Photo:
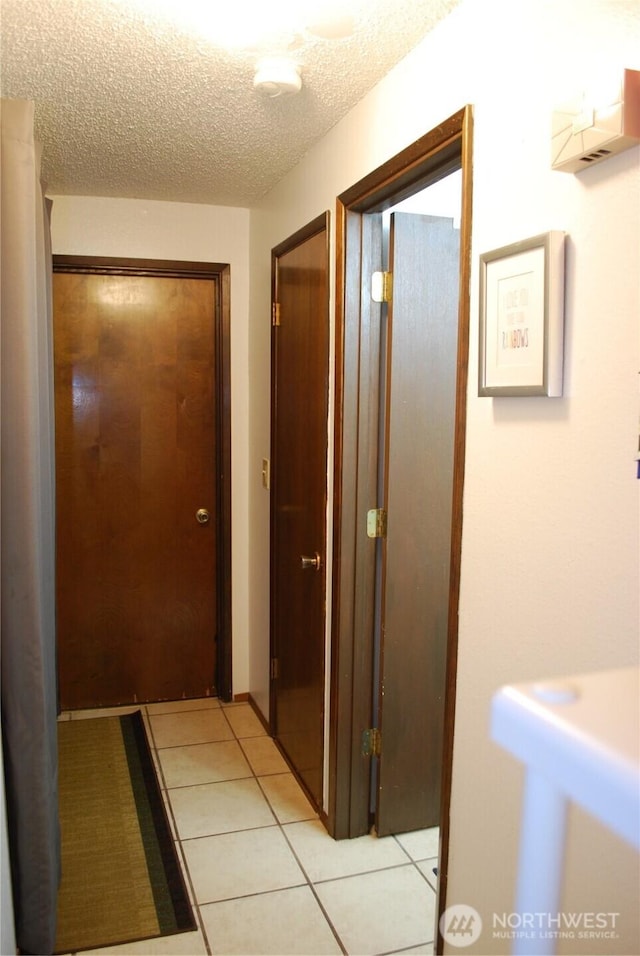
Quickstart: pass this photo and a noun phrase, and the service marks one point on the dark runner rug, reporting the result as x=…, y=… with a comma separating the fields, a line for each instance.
x=121, y=879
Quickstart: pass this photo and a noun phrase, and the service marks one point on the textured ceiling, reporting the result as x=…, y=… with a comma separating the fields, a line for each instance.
x=135, y=101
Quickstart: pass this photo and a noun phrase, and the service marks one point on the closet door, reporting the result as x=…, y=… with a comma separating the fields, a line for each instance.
x=300, y=370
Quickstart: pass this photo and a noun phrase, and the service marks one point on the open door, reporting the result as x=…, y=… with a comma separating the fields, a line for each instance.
x=358, y=668
x=420, y=390
x=300, y=369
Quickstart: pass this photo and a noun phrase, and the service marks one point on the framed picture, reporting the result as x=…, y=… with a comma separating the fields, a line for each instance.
x=522, y=317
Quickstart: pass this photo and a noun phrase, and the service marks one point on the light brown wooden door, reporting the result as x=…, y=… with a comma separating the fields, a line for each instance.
x=300, y=368
x=416, y=553
x=136, y=454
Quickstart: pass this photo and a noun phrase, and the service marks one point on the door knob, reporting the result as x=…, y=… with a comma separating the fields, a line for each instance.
x=307, y=563
x=202, y=516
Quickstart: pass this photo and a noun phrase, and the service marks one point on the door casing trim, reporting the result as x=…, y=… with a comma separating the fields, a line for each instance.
x=101, y=265
x=433, y=156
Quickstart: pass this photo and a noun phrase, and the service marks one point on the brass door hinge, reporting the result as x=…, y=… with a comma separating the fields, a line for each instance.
x=274, y=668
x=382, y=286
x=377, y=523
x=371, y=742
x=275, y=314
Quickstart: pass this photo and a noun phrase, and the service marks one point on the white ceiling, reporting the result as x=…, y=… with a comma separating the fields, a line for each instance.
x=137, y=101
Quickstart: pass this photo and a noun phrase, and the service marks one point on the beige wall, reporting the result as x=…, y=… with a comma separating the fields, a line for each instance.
x=161, y=230
x=550, y=564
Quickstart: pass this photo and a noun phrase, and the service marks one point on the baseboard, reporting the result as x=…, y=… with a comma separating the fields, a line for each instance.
x=322, y=814
x=263, y=720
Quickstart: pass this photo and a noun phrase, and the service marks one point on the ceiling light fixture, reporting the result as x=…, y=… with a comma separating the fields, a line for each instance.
x=277, y=76
x=255, y=25
x=331, y=25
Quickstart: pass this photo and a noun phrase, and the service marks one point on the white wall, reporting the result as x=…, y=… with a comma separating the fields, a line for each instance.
x=550, y=563
x=161, y=230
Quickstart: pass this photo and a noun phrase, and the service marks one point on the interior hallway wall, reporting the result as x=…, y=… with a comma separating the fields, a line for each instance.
x=198, y=233
x=550, y=562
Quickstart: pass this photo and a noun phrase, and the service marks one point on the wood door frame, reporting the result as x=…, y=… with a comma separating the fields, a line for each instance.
x=221, y=272
x=321, y=223
x=446, y=148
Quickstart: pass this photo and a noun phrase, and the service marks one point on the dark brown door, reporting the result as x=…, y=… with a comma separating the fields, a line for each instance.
x=416, y=553
x=300, y=360
x=135, y=357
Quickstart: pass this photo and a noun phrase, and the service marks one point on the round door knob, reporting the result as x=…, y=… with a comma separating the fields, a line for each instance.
x=308, y=562
x=202, y=516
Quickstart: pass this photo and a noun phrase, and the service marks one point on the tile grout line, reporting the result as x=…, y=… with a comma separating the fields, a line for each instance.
x=425, y=878
x=309, y=882
x=181, y=854
x=415, y=862
x=280, y=826
x=209, y=947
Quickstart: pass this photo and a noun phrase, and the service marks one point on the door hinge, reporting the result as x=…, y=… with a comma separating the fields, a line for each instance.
x=382, y=286
x=377, y=523
x=274, y=668
x=275, y=314
x=371, y=742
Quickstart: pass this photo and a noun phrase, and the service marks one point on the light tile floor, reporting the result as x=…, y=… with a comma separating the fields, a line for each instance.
x=263, y=874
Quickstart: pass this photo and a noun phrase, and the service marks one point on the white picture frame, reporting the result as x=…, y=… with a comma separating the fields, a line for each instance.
x=522, y=318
